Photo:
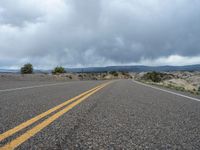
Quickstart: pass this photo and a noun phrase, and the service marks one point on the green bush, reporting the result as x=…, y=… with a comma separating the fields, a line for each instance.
x=154, y=76
x=80, y=76
x=178, y=88
x=58, y=70
x=69, y=76
x=27, y=69
x=114, y=73
x=124, y=73
x=199, y=89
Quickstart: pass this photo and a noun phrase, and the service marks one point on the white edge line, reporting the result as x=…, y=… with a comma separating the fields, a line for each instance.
x=178, y=94
x=30, y=87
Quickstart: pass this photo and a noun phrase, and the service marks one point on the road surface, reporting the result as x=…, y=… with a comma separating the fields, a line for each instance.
x=121, y=114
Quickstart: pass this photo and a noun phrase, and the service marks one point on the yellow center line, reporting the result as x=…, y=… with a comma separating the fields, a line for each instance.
x=28, y=134
x=42, y=115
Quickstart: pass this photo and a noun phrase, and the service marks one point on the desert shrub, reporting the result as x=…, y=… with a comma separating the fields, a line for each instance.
x=114, y=73
x=199, y=89
x=58, y=70
x=80, y=76
x=94, y=78
x=104, y=75
x=123, y=73
x=153, y=76
x=126, y=75
x=179, y=88
x=169, y=85
x=27, y=69
x=69, y=76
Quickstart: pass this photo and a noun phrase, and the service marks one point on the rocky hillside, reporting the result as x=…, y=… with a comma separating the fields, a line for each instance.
x=183, y=81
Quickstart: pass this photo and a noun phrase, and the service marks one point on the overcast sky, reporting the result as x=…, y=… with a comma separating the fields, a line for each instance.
x=76, y=33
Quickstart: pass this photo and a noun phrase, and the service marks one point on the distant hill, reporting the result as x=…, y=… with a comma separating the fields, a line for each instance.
x=9, y=71
x=136, y=68
x=18, y=71
x=120, y=68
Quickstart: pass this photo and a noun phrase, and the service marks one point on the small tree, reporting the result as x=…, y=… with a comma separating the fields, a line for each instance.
x=58, y=70
x=27, y=69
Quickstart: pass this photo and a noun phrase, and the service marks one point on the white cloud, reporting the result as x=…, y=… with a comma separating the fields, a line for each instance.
x=174, y=60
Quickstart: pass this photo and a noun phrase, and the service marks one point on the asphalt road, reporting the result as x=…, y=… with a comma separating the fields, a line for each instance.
x=119, y=115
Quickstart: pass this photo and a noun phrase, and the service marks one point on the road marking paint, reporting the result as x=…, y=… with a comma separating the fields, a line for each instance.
x=42, y=115
x=177, y=94
x=31, y=87
x=24, y=137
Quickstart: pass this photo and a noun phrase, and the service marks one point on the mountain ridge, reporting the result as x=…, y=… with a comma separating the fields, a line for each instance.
x=137, y=68
x=134, y=68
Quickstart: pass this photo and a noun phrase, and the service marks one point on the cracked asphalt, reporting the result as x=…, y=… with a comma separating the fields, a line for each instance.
x=122, y=115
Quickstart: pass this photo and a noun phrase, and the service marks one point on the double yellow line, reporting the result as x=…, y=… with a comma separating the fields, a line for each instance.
x=65, y=107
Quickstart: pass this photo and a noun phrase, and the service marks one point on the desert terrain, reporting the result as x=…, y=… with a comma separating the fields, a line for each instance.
x=178, y=80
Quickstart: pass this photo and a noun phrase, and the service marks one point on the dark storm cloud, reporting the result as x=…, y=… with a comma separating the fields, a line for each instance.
x=75, y=32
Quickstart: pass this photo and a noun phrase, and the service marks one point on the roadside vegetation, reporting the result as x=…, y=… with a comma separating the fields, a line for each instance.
x=114, y=73
x=181, y=81
x=156, y=76
x=58, y=70
x=59, y=73
x=27, y=69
